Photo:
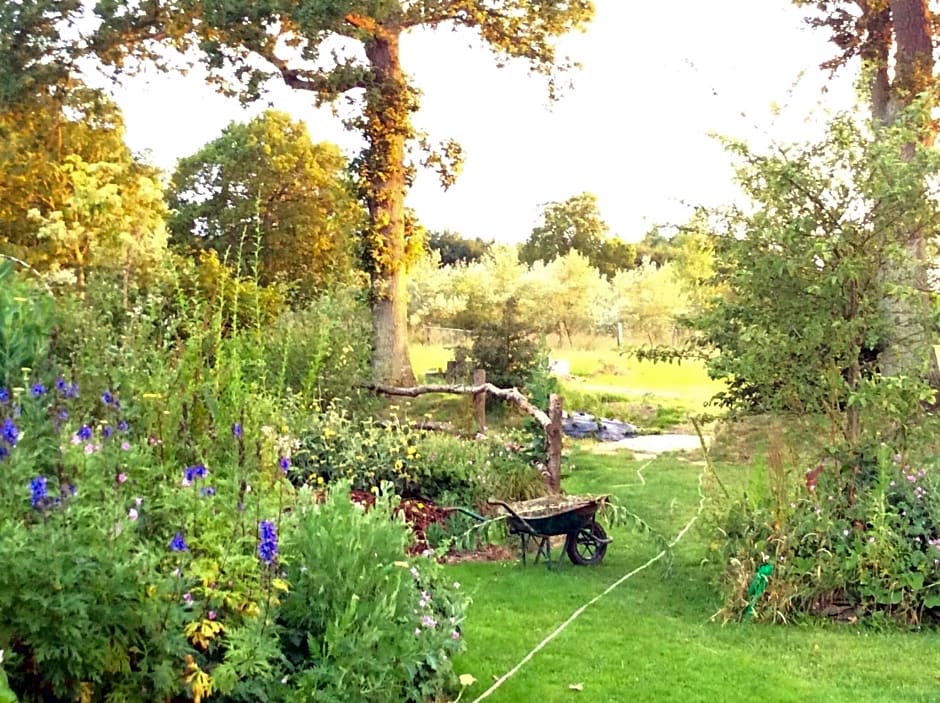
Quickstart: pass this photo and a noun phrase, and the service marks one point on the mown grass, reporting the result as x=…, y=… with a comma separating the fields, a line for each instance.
x=652, y=638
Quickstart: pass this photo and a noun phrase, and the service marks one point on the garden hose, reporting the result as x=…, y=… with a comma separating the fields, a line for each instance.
x=757, y=587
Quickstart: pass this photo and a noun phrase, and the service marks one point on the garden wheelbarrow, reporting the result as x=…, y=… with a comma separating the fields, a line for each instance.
x=573, y=516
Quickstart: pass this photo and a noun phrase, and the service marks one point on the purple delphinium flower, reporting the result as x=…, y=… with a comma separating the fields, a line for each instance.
x=61, y=386
x=267, y=542
x=193, y=472
x=84, y=433
x=123, y=426
x=37, y=390
x=237, y=430
x=284, y=463
x=107, y=431
x=107, y=398
x=207, y=492
x=4, y=452
x=9, y=432
x=37, y=488
x=4, y=396
x=178, y=544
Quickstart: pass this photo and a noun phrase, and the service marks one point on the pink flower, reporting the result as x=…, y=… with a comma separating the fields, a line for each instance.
x=454, y=635
x=212, y=615
x=122, y=477
x=126, y=446
x=89, y=448
x=132, y=514
x=186, y=482
x=188, y=597
x=138, y=502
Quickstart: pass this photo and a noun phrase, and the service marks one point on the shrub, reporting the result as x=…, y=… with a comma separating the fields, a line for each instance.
x=337, y=446
x=506, y=348
x=871, y=549
x=373, y=626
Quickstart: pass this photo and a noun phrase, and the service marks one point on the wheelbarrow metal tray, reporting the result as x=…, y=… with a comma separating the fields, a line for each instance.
x=568, y=518
x=552, y=515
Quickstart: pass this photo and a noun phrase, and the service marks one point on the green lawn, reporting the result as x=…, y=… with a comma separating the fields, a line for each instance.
x=652, y=638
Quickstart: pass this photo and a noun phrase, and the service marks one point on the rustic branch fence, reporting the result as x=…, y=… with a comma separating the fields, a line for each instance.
x=550, y=421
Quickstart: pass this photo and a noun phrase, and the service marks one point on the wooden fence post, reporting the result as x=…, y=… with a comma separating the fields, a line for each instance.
x=553, y=432
x=479, y=400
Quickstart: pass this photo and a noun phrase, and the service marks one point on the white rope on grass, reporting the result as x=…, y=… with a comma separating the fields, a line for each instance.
x=558, y=630
x=639, y=475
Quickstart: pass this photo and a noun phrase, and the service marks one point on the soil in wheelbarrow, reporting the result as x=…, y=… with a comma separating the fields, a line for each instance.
x=549, y=505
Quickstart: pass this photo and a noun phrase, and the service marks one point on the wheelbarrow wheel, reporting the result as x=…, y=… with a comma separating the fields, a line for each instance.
x=587, y=546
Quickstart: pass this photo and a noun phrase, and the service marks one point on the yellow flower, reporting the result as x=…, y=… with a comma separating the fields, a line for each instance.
x=467, y=679
x=201, y=632
x=399, y=464
x=199, y=681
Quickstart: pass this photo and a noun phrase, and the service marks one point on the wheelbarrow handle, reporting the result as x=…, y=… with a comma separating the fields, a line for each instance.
x=508, y=508
x=466, y=511
x=505, y=506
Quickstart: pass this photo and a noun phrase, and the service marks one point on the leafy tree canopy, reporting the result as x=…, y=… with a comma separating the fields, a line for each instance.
x=266, y=190
x=454, y=248
x=576, y=225
x=803, y=314
x=72, y=196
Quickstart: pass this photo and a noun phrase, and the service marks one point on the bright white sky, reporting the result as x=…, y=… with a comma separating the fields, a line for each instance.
x=658, y=77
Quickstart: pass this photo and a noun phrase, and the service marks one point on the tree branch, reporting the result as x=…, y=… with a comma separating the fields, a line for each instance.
x=328, y=84
x=510, y=394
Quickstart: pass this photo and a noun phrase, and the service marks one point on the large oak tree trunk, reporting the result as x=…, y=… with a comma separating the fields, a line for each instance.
x=909, y=349
x=391, y=362
x=387, y=115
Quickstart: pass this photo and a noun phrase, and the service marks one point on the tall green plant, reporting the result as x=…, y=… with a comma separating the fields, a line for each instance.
x=26, y=321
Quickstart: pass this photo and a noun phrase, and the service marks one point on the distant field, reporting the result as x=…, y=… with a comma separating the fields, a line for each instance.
x=605, y=381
